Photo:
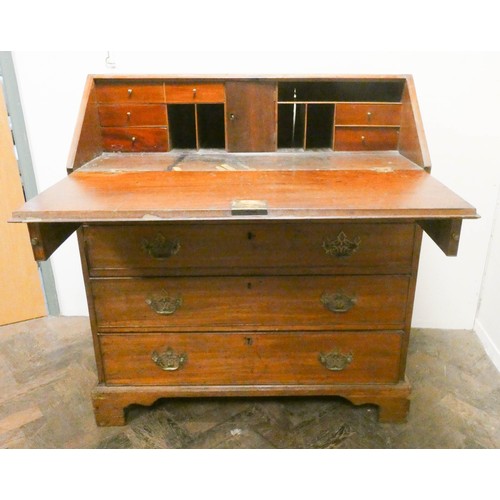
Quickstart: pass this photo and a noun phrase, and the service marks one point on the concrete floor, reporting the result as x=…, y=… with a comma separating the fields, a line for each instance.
x=47, y=371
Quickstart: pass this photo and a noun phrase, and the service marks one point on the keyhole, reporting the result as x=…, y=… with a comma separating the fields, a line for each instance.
x=249, y=285
x=250, y=235
x=248, y=341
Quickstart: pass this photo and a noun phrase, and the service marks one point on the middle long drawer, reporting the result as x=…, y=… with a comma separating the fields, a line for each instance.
x=250, y=303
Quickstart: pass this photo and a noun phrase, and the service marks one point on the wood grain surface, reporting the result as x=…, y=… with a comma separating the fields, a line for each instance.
x=194, y=92
x=253, y=359
x=136, y=139
x=367, y=114
x=366, y=138
x=286, y=248
x=132, y=115
x=250, y=303
x=130, y=90
x=214, y=160
x=153, y=196
x=251, y=116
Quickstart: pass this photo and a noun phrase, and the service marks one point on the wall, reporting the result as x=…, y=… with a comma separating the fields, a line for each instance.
x=487, y=323
x=459, y=102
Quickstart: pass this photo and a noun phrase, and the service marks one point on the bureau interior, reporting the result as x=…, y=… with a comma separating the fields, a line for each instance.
x=167, y=117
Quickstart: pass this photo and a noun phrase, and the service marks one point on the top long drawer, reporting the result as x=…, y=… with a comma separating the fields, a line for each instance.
x=242, y=248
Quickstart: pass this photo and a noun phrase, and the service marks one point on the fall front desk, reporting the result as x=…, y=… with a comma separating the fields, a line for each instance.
x=248, y=236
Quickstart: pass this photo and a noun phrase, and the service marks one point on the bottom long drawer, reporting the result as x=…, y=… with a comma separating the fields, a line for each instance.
x=243, y=358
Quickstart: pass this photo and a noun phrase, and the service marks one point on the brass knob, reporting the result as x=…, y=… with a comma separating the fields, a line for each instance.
x=194, y=92
x=363, y=140
x=232, y=116
x=129, y=114
x=129, y=91
x=133, y=139
x=369, y=115
x=35, y=241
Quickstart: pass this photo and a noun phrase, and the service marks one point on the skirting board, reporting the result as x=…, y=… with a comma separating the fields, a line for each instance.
x=491, y=349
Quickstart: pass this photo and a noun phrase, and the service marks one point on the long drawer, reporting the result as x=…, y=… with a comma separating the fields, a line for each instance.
x=239, y=248
x=236, y=358
x=250, y=303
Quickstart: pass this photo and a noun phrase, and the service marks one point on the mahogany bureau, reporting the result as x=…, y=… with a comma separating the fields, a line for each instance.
x=248, y=235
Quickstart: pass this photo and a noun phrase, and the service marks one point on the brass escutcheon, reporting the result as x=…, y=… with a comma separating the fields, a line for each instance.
x=164, y=303
x=341, y=246
x=335, y=361
x=160, y=247
x=169, y=360
x=338, y=302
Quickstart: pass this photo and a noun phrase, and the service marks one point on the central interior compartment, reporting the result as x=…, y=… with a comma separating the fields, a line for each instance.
x=211, y=132
x=305, y=126
x=182, y=125
x=195, y=126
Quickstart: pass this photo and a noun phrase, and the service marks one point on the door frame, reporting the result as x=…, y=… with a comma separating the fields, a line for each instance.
x=25, y=165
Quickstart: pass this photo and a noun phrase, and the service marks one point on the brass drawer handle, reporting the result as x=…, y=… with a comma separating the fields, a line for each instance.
x=338, y=302
x=169, y=360
x=160, y=247
x=341, y=246
x=163, y=303
x=335, y=360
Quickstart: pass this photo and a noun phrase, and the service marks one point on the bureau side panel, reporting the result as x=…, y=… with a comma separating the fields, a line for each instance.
x=417, y=243
x=90, y=302
x=87, y=141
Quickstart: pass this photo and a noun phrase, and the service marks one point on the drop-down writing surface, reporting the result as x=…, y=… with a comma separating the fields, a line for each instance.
x=132, y=196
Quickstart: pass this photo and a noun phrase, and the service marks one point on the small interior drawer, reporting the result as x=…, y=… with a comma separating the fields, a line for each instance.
x=130, y=139
x=133, y=115
x=366, y=138
x=367, y=114
x=194, y=92
x=130, y=92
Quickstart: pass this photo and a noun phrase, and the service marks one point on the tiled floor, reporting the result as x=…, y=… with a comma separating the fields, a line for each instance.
x=47, y=371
